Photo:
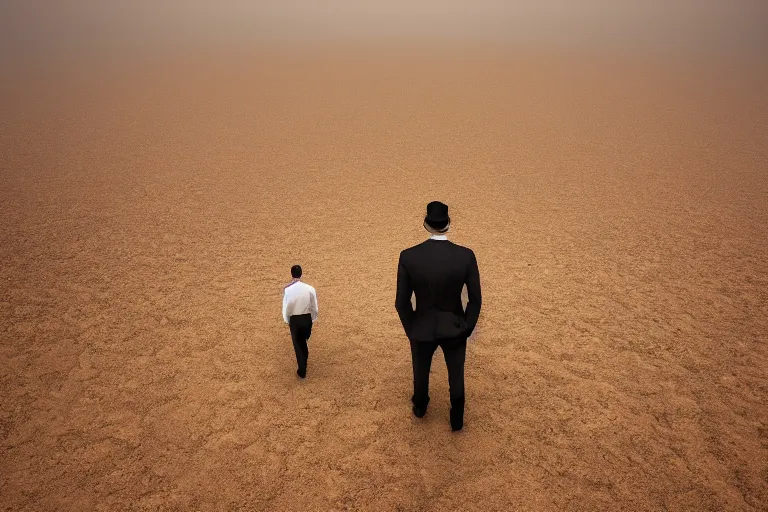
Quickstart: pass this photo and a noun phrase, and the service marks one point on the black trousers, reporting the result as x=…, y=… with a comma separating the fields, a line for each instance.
x=454, y=351
x=301, y=330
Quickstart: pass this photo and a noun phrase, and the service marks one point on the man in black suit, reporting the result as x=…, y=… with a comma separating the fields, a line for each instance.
x=436, y=271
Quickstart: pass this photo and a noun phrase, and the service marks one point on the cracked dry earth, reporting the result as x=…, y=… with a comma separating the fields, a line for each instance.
x=150, y=211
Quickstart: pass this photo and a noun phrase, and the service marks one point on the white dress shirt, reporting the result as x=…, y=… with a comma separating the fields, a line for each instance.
x=438, y=237
x=299, y=299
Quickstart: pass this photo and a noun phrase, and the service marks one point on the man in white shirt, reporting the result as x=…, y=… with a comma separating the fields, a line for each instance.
x=299, y=312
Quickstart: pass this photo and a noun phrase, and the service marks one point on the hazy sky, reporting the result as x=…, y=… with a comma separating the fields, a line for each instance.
x=740, y=25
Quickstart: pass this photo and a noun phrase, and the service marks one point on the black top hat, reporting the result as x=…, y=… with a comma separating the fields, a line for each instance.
x=437, y=218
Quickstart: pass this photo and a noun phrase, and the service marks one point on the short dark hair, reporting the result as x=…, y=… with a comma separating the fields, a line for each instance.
x=296, y=271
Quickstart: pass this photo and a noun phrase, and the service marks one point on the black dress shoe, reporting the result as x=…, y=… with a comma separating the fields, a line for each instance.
x=457, y=414
x=457, y=419
x=301, y=373
x=419, y=412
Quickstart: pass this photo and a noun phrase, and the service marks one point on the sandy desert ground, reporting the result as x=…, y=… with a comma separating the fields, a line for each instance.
x=150, y=212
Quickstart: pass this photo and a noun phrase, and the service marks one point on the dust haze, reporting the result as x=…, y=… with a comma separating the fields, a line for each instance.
x=735, y=27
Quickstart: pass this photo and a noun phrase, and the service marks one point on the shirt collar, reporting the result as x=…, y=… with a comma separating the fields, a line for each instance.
x=438, y=237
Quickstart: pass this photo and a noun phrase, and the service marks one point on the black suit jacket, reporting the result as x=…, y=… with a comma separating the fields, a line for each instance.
x=436, y=270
